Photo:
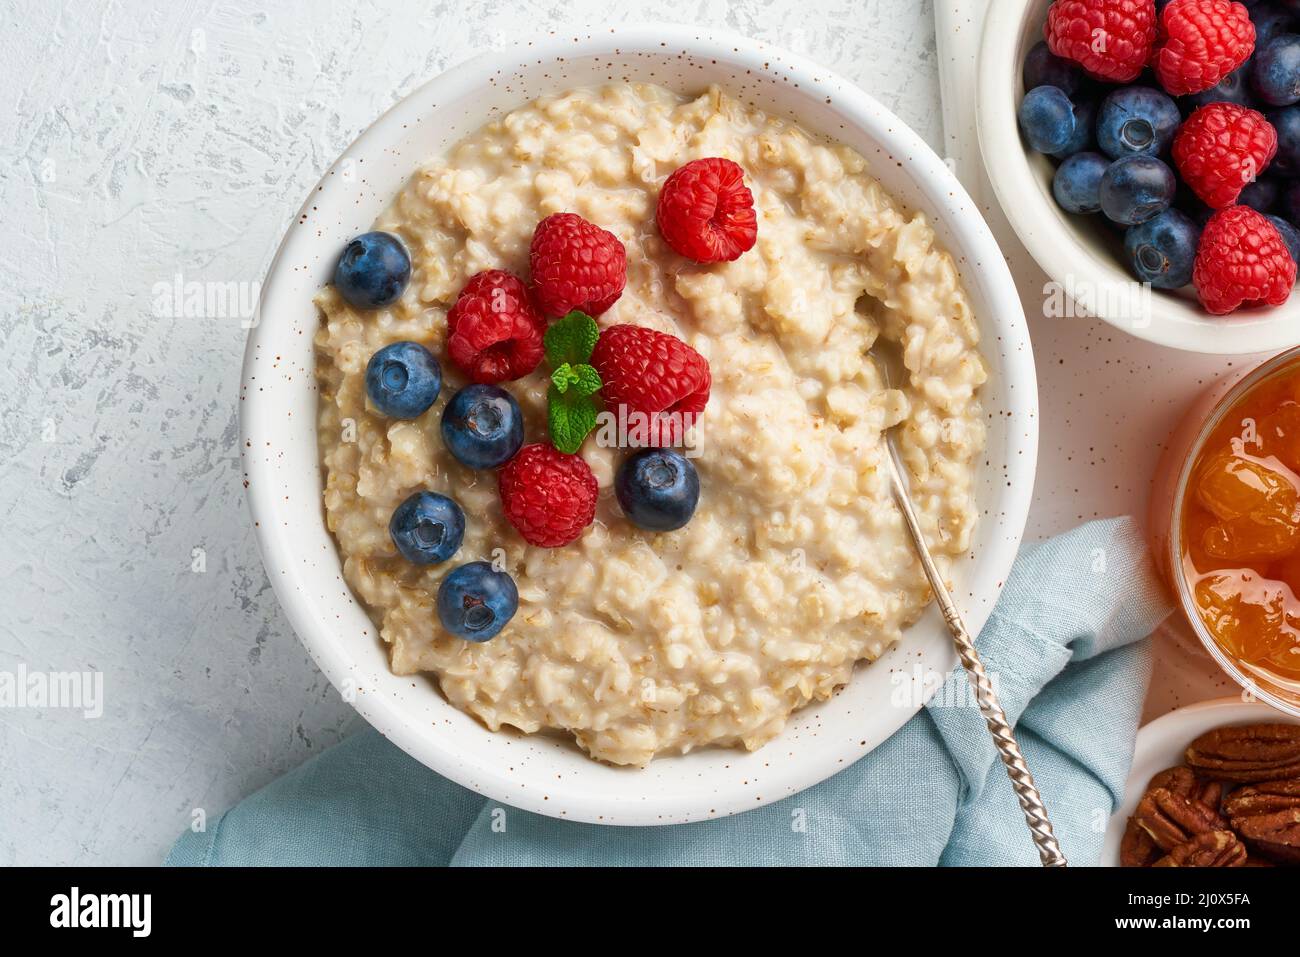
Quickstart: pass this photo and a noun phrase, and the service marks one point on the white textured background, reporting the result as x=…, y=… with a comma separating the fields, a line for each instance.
x=140, y=140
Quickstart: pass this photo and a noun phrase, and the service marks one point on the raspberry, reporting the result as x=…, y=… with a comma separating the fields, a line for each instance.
x=576, y=265
x=706, y=212
x=494, y=332
x=1110, y=39
x=1201, y=42
x=1221, y=148
x=1241, y=260
x=549, y=497
x=652, y=373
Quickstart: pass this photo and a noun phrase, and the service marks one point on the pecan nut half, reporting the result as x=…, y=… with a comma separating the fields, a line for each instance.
x=1183, y=781
x=1171, y=819
x=1256, y=752
x=1137, y=849
x=1264, y=798
x=1267, y=815
x=1211, y=849
x=1276, y=836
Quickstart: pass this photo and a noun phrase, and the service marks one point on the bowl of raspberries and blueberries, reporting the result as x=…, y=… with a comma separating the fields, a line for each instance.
x=1177, y=124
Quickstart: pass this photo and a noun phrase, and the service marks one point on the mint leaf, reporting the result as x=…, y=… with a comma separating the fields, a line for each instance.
x=586, y=380
x=563, y=377
x=570, y=411
x=571, y=339
x=570, y=417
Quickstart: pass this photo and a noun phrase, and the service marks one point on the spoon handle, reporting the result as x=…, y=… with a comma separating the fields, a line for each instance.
x=1003, y=737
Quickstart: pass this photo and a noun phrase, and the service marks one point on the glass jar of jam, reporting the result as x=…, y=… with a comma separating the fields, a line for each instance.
x=1226, y=527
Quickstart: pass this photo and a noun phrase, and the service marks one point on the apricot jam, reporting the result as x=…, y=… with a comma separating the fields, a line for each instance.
x=1240, y=529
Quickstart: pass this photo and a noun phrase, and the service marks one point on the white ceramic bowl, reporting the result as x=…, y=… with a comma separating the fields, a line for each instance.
x=1161, y=744
x=542, y=773
x=1082, y=253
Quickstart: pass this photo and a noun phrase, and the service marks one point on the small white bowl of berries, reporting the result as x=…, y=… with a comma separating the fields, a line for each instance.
x=1160, y=144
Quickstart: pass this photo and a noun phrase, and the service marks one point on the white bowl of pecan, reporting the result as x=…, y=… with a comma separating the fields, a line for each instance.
x=1212, y=785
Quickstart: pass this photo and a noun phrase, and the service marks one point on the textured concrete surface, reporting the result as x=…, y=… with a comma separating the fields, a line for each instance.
x=145, y=144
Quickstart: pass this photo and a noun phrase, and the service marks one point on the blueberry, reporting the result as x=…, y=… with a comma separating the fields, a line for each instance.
x=1269, y=22
x=1233, y=88
x=1289, y=205
x=1191, y=205
x=1085, y=121
x=1047, y=118
x=1044, y=68
x=1136, y=119
x=403, y=379
x=1287, y=123
x=1136, y=188
x=1077, y=183
x=482, y=426
x=373, y=270
x=1161, y=251
x=1290, y=236
x=475, y=601
x=1275, y=72
x=658, y=489
x=427, y=528
x=1260, y=195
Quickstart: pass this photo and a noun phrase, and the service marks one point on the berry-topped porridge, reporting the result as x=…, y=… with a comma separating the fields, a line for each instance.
x=601, y=429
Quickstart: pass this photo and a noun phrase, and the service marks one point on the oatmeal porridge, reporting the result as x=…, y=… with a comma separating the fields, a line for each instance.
x=795, y=565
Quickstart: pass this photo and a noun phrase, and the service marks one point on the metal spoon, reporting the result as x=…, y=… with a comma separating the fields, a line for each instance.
x=1021, y=780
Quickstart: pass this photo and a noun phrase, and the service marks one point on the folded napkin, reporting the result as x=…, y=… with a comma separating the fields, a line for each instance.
x=1064, y=641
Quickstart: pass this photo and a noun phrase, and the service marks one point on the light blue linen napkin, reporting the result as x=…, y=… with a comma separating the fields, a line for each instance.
x=1064, y=641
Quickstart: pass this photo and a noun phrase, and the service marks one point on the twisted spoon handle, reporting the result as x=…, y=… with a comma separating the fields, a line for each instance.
x=1021, y=780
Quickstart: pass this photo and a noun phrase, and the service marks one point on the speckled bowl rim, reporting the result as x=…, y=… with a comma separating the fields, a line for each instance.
x=542, y=773
x=1071, y=251
x=1161, y=743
